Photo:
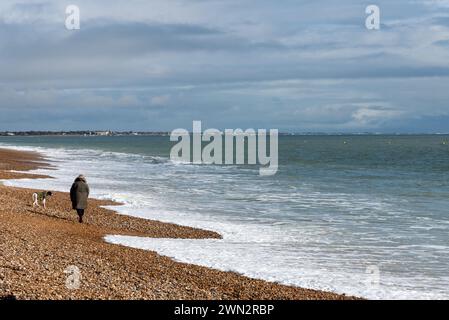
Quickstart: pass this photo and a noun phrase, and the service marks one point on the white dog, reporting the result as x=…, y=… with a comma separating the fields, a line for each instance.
x=42, y=197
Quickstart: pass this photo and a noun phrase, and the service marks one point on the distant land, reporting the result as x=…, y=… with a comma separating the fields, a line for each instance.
x=106, y=133
x=81, y=133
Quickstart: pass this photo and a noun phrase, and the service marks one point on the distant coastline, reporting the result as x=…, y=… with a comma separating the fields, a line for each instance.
x=96, y=133
x=106, y=133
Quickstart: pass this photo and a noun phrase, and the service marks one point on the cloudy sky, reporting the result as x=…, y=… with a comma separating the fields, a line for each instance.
x=295, y=65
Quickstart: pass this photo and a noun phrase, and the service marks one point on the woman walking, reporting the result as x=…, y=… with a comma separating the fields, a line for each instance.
x=79, y=194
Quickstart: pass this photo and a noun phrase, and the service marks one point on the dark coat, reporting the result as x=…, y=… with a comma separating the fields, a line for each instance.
x=79, y=194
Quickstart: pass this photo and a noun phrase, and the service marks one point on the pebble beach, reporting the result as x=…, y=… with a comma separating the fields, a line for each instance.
x=38, y=246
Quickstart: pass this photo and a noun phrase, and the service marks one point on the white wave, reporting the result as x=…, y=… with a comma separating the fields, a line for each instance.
x=299, y=236
x=258, y=261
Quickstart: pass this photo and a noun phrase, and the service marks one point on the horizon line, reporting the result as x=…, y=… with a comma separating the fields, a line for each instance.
x=164, y=132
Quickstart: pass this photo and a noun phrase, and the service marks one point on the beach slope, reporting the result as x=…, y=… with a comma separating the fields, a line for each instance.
x=42, y=250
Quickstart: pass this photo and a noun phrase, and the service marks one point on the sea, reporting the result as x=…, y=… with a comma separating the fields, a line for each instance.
x=364, y=215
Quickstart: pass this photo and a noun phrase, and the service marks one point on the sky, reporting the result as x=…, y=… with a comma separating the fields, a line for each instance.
x=292, y=65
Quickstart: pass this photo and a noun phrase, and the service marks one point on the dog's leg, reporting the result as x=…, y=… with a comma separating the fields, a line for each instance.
x=35, y=202
x=44, y=203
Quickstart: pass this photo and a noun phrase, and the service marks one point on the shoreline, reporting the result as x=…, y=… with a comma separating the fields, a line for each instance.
x=37, y=247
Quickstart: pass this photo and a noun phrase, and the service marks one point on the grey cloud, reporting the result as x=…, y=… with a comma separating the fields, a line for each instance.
x=299, y=65
x=442, y=43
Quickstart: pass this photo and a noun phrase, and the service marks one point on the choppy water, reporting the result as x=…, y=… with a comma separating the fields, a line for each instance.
x=339, y=207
